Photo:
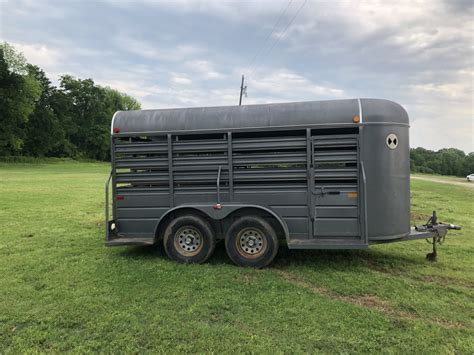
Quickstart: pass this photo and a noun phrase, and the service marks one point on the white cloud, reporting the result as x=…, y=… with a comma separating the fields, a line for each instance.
x=286, y=84
x=156, y=51
x=40, y=55
x=204, y=69
x=180, y=79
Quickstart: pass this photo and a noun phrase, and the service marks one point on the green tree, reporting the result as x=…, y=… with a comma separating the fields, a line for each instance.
x=118, y=101
x=44, y=132
x=448, y=161
x=87, y=113
x=19, y=92
x=468, y=166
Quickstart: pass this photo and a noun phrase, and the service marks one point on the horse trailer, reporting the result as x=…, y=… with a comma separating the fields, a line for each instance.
x=315, y=175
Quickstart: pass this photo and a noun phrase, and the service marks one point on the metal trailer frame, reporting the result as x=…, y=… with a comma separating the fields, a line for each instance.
x=325, y=174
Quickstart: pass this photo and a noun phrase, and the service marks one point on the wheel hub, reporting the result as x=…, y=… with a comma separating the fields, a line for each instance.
x=188, y=240
x=251, y=242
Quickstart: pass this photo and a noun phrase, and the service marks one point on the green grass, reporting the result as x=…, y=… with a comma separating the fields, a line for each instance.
x=61, y=289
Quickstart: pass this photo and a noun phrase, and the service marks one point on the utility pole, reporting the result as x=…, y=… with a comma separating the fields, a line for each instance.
x=243, y=90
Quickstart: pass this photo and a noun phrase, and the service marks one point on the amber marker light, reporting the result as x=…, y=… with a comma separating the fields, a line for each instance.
x=356, y=119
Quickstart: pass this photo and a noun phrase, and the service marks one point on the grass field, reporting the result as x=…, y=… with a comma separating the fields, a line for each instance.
x=61, y=289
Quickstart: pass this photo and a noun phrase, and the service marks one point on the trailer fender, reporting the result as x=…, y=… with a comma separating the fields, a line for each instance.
x=218, y=212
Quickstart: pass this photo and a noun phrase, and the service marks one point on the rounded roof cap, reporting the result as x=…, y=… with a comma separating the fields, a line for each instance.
x=255, y=116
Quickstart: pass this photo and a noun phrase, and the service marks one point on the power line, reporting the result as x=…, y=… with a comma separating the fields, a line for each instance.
x=282, y=13
x=282, y=34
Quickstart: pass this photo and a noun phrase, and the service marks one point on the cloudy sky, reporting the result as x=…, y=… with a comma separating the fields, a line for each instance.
x=192, y=53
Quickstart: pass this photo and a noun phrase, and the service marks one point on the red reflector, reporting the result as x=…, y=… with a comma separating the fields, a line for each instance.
x=119, y=197
x=116, y=130
x=217, y=206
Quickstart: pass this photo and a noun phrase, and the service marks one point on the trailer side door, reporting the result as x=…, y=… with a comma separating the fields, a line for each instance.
x=335, y=192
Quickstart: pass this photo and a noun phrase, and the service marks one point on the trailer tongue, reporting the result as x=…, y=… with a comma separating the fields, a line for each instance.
x=432, y=231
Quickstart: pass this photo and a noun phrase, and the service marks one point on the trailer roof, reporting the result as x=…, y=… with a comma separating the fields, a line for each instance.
x=255, y=116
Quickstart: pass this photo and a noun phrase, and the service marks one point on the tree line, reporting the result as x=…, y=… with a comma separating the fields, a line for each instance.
x=448, y=161
x=40, y=120
x=73, y=120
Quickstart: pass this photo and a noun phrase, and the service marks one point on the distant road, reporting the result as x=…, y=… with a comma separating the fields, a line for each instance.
x=443, y=181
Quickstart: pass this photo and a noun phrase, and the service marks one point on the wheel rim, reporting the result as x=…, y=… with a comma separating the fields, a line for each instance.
x=251, y=243
x=188, y=241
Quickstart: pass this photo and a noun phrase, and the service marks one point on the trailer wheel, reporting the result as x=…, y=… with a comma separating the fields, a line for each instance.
x=251, y=241
x=189, y=239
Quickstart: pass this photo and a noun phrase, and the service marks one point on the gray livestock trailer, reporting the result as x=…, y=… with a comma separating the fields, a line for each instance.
x=318, y=175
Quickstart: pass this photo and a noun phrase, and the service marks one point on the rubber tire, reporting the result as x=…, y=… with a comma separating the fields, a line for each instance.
x=269, y=233
x=208, y=237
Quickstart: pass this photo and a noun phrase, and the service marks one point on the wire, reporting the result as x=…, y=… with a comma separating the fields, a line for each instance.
x=282, y=34
x=282, y=13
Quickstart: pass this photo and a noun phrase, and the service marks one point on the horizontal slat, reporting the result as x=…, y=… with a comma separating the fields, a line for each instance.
x=161, y=142
x=335, y=156
x=266, y=144
x=141, y=177
x=269, y=174
x=334, y=136
x=269, y=158
x=137, y=189
x=149, y=148
x=336, y=140
x=191, y=169
x=335, y=173
x=184, y=142
x=336, y=186
x=212, y=188
x=141, y=163
x=269, y=139
x=199, y=147
x=200, y=160
x=269, y=186
x=185, y=177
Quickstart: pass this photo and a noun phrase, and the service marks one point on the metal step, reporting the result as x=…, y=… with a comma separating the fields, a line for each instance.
x=129, y=241
x=327, y=243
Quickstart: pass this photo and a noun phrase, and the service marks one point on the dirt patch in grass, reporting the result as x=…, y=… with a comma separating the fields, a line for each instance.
x=400, y=271
x=444, y=180
x=246, y=279
x=367, y=301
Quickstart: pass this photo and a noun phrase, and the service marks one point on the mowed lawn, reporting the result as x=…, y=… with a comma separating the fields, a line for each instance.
x=61, y=289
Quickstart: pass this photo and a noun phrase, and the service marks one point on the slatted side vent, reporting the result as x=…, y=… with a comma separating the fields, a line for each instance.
x=269, y=161
x=196, y=161
x=335, y=160
x=141, y=164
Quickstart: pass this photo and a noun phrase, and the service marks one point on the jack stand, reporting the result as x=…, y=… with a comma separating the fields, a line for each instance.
x=433, y=232
x=433, y=255
x=437, y=238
